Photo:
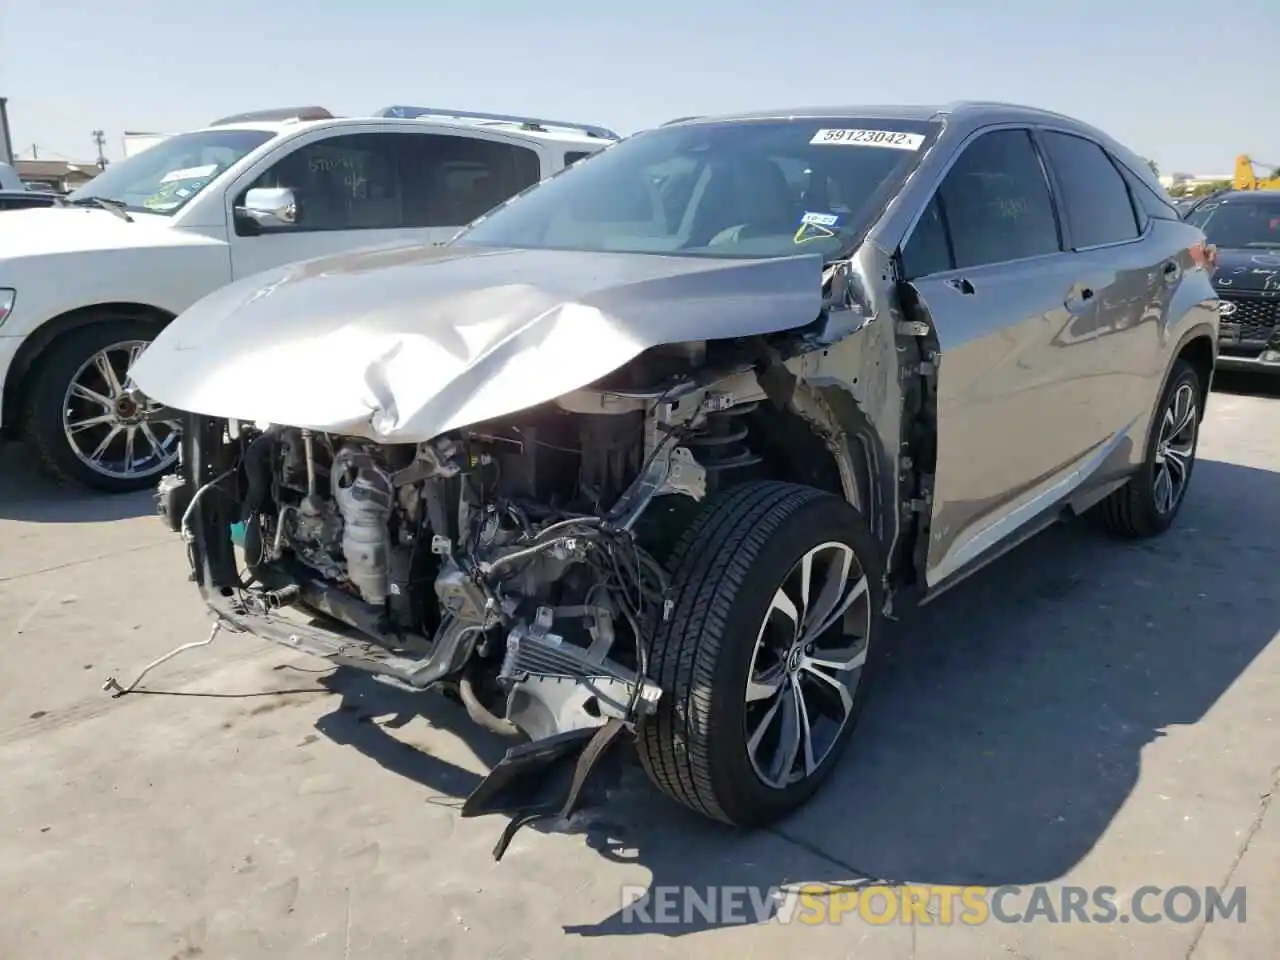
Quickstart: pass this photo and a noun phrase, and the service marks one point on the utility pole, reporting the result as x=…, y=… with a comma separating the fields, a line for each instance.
x=35, y=151
x=6, y=142
x=99, y=140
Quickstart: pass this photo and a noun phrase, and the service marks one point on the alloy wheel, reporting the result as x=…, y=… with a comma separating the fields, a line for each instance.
x=1175, y=449
x=807, y=663
x=107, y=427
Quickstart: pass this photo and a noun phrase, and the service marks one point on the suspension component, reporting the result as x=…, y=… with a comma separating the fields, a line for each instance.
x=719, y=444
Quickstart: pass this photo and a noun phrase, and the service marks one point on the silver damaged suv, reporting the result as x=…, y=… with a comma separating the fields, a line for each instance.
x=652, y=449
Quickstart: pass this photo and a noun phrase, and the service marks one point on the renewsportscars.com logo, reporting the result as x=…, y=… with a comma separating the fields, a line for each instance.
x=879, y=904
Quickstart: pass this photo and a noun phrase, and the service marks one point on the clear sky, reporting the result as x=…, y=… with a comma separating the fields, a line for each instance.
x=1187, y=82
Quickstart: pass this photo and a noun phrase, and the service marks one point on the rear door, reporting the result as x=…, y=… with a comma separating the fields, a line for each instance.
x=1124, y=271
x=450, y=179
x=987, y=262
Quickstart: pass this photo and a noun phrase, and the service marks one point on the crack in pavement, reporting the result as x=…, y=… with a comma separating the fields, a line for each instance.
x=76, y=563
x=1254, y=828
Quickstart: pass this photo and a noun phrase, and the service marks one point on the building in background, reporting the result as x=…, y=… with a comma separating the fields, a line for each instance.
x=134, y=142
x=60, y=176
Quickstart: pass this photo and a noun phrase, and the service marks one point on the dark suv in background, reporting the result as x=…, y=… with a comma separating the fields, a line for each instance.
x=1245, y=227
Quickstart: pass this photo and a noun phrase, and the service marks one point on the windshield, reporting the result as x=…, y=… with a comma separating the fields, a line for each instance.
x=1239, y=223
x=164, y=178
x=743, y=189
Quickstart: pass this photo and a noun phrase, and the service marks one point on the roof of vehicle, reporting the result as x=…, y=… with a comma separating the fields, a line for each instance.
x=970, y=110
x=287, y=119
x=963, y=116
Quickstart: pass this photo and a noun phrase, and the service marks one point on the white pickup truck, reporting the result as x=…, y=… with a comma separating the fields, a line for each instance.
x=86, y=286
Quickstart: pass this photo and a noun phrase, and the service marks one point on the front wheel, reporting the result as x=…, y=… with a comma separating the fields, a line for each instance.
x=766, y=656
x=1147, y=505
x=81, y=422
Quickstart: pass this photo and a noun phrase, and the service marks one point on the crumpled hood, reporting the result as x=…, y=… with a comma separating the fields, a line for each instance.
x=41, y=231
x=1247, y=271
x=402, y=344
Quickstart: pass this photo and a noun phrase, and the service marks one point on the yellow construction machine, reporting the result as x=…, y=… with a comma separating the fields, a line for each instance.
x=1247, y=179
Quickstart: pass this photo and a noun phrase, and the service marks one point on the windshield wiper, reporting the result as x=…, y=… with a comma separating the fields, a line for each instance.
x=104, y=203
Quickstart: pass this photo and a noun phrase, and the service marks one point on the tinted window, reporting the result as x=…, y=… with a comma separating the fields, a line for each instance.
x=929, y=249
x=342, y=183
x=573, y=156
x=1153, y=204
x=452, y=180
x=761, y=189
x=993, y=204
x=1094, y=195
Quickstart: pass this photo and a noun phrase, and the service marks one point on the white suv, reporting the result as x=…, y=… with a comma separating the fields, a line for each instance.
x=85, y=287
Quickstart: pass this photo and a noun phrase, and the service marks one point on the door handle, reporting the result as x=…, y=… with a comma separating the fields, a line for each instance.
x=963, y=285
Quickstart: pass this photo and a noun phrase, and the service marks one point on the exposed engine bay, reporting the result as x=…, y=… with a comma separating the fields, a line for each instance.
x=509, y=551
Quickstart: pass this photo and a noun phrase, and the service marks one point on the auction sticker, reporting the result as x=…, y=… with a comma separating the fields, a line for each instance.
x=819, y=220
x=869, y=138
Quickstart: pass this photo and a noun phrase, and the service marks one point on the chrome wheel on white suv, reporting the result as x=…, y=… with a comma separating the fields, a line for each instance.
x=107, y=427
x=82, y=421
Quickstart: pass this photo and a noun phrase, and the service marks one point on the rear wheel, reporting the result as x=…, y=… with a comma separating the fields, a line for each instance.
x=1147, y=505
x=766, y=657
x=80, y=421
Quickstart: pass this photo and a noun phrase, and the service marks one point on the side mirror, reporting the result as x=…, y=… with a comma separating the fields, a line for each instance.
x=270, y=207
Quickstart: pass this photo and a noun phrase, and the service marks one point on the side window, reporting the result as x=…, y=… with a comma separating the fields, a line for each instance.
x=349, y=182
x=929, y=249
x=573, y=156
x=1095, y=197
x=451, y=180
x=993, y=206
x=1149, y=202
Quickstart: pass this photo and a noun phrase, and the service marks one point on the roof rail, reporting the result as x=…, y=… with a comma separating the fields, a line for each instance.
x=529, y=123
x=279, y=113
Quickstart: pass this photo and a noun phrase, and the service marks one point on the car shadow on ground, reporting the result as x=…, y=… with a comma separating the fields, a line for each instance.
x=28, y=495
x=1005, y=733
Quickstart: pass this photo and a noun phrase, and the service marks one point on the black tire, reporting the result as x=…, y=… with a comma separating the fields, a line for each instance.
x=731, y=560
x=1134, y=510
x=48, y=382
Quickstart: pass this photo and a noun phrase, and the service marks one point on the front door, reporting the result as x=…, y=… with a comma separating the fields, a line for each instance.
x=1013, y=421
x=375, y=188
